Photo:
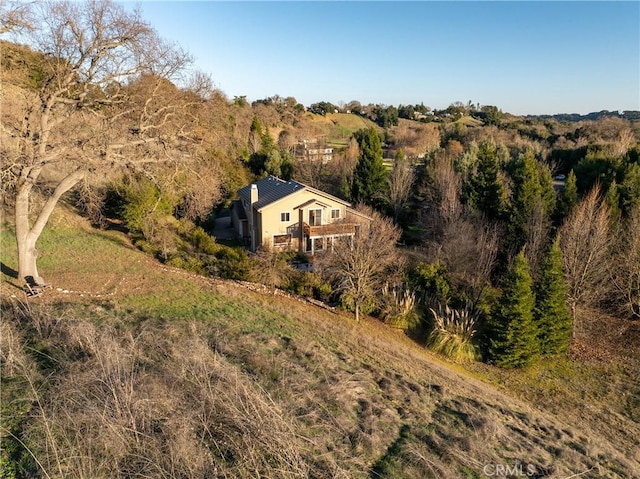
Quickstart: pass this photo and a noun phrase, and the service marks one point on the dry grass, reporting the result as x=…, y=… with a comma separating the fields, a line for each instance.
x=175, y=375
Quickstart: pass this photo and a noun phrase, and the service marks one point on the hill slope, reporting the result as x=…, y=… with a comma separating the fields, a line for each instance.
x=132, y=368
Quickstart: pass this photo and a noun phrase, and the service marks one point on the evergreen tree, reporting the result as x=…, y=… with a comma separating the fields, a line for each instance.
x=612, y=199
x=547, y=191
x=513, y=332
x=568, y=199
x=486, y=191
x=370, y=175
x=526, y=193
x=551, y=312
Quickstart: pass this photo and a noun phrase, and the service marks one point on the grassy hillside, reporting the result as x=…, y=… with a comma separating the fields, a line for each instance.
x=337, y=128
x=128, y=368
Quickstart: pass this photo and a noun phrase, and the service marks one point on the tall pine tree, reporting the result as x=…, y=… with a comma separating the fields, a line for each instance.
x=370, y=175
x=526, y=195
x=485, y=190
x=513, y=332
x=568, y=199
x=551, y=312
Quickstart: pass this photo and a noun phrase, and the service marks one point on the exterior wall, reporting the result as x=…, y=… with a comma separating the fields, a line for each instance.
x=270, y=215
x=240, y=226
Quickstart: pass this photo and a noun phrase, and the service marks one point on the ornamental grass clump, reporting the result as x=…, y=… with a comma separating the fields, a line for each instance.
x=453, y=333
x=399, y=309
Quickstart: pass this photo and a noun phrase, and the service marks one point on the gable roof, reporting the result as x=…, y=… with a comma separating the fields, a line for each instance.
x=272, y=189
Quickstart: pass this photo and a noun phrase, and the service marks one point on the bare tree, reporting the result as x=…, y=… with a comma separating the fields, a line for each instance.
x=416, y=139
x=104, y=101
x=442, y=194
x=270, y=268
x=624, y=267
x=400, y=181
x=358, y=267
x=15, y=17
x=623, y=142
x=469, y=248
x=585, y=239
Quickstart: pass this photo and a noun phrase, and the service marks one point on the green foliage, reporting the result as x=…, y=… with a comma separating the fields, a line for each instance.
x=146, y=247
x=513, y=332
x=234, y=263
x=597, y=167
x=322, y=108
x=612, y=199
x=370, y=175
x=366, y=306
x=551, y=313
x=568, y=198
x=269, y=160
x=532, y=200
x=490, y=114
x=432, y=279
x=453, y=333
x=143, y=204
x=629, y=188
x=385, y=116
x=485, y=190
x=202, y=242
x=307, y=284
x=256, y=127
x=187, y=262
x=526, y=195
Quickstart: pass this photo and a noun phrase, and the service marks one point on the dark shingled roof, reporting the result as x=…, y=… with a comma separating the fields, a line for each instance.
x=270, y=189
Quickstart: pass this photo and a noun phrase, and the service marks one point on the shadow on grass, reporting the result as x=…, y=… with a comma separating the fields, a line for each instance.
x=9, y=271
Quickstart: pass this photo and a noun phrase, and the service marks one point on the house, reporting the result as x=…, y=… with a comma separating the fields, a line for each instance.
x=277, y=214
x=310, y=150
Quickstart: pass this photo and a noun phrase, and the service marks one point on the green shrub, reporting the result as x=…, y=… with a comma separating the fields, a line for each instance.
x=185, y=261
x=432, y=279
x=146, y=247
x=234, y=263
x=142, y=203
x=202, y=242
x=322, y=292
x=307, y=284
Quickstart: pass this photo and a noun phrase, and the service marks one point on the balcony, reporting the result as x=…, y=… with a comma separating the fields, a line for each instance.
x=332, y=229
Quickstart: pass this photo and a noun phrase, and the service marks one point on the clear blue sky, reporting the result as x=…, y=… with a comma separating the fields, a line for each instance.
x=524, y=57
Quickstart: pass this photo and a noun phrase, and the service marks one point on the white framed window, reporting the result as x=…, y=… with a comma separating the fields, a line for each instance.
x=285, y=217
x=315, y=217
x=335, y=214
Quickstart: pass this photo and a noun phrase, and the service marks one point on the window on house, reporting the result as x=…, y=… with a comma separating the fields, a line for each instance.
x=281, y=239
x=335, y=214
x=315, y=217
x=285, y=216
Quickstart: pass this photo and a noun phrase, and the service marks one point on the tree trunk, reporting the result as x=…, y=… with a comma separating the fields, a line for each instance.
x=26, y=235
x=357, y=307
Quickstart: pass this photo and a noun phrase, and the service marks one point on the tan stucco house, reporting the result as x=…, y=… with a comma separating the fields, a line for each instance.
x=277, y=214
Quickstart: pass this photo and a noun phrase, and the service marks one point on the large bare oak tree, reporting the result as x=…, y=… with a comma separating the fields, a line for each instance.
x=102, y=98
x=359, y=267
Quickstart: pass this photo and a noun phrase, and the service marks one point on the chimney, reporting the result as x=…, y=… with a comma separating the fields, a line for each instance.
x=252, y=216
